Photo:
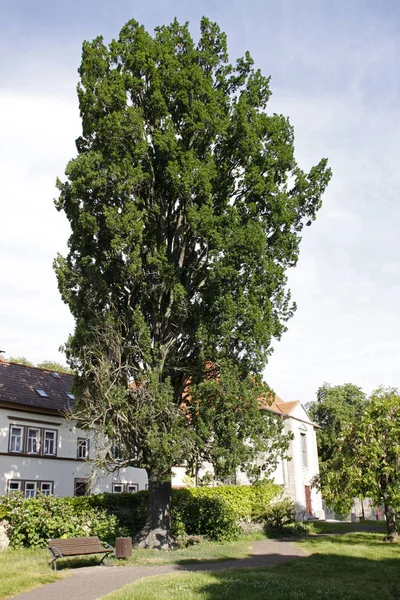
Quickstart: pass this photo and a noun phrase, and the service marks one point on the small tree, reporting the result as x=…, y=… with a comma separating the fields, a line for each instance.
x=333, y=410
x=186, y=207
x=368, y=459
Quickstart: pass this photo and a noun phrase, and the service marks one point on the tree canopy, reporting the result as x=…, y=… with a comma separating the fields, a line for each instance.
x=367, y=461
x=50, y=365
x=187, y=208
x=334, y=408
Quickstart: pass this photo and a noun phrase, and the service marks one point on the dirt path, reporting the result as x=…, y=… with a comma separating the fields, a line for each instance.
x=91, y=583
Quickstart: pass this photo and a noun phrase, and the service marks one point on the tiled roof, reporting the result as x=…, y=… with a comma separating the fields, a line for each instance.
x=19, y=382
x=277, y=405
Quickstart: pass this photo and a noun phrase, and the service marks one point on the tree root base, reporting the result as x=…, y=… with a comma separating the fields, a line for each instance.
x=156, y=539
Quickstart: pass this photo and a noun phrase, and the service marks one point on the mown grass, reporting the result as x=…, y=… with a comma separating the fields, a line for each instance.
x=21, y=570
x=203, y=552
x=346, y=527
x=355, y=566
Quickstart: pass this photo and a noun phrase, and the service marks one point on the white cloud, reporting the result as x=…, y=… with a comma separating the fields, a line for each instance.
x=346, y=284
x=38, y=132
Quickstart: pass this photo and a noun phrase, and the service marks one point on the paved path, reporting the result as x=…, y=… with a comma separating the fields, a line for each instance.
x=91, y=583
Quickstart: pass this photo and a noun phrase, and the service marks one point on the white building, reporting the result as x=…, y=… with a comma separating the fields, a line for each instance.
x=41, y=451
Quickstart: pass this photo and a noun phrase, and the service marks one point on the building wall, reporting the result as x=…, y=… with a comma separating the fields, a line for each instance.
x=62, y=469
x=298, y=475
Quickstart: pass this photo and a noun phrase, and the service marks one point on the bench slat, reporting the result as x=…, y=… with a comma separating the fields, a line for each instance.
x=77, y=546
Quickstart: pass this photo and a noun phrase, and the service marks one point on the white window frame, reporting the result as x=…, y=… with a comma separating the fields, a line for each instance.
x=48, y=492
x=120, y=485
x=14, y=481
x=135, y=487
x=34, y=483
x=82, y=448
x=304, y=453
x=54, y=442
x=30, y=441
x=20, y=437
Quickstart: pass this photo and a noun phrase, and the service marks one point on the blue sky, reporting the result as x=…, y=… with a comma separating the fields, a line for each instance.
x=334, y=72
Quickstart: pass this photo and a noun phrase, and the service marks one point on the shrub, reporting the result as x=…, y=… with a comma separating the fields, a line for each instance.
x=202, y=514
x=244, y=500
x=278, y=514
x=211, y=512
x=34, y=521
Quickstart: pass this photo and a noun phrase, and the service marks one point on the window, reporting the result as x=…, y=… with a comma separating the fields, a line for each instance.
x=16, y=439
x=30, y=489
x=14, y=486
x=33, y=441
x=56, y=375
x=117, y=488
x=82, y=448
x=70, y=395
x=132, y=488
x=46, y=488
x=49, y=446
x=303, y=441
x=41, y=392
x=116, y=452
x=81, y=487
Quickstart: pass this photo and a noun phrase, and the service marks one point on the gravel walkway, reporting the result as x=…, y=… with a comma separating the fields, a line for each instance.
x=91, y=583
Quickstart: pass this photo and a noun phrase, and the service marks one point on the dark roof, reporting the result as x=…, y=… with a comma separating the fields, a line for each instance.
x=19, y=382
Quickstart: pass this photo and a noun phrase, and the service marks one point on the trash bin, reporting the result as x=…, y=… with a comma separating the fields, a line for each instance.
x=123, y=547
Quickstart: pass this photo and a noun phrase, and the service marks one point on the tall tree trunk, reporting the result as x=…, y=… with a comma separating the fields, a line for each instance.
x=391, y=523
x=156, y=532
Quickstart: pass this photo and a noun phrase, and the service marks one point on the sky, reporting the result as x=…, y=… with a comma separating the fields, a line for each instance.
x=334, y=73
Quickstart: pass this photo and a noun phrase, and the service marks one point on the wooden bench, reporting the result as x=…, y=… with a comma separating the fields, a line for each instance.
x=64, y=547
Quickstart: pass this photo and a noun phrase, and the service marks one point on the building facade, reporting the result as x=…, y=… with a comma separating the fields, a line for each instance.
x=41, y=451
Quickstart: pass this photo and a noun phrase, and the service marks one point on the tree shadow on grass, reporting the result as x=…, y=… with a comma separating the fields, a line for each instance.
x=78, y=562
x=326, y=576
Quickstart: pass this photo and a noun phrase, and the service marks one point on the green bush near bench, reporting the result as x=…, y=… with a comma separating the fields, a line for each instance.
x=212, y=512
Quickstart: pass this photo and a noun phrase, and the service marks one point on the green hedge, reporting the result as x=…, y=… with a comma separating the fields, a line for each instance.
x=34, y=521
x=213, y=512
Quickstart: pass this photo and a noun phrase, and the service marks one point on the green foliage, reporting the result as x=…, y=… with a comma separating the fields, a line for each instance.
x=34, y=521
x=333, y=410
x=20, y=360
x=52, y=365
x=368, y=458
x=186, y=207
x=130, y=509
x=215, y=512
x=211, y=512
x=243, y=499
x=278, y=514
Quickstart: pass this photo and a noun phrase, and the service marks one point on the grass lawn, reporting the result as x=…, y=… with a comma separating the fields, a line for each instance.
x=346, y=527
x=355, y=566
x=204, y=552
x=21, y=570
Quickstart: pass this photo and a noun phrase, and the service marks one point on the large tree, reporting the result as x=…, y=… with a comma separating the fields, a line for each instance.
x=368, y=459
x=186, y=207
